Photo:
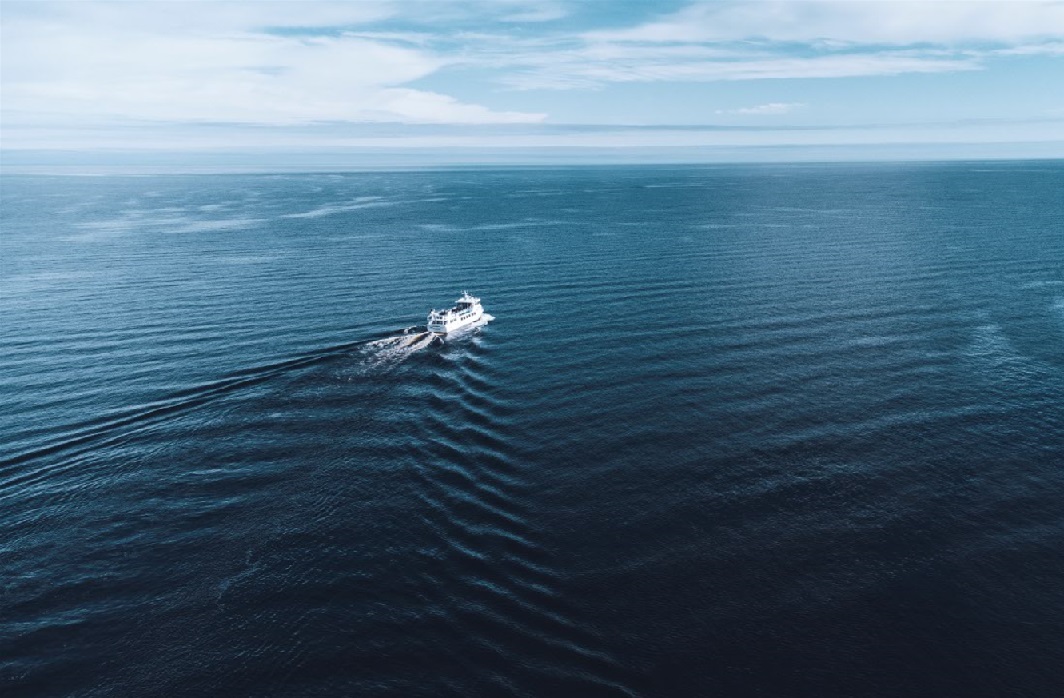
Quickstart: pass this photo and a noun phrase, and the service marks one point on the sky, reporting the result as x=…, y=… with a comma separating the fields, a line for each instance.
x=410, y=81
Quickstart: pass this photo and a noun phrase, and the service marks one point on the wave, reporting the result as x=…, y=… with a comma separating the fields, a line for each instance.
x=101, y=430
x=383, y=353
x=504, y=594
x=332, y=209
x=377, y=355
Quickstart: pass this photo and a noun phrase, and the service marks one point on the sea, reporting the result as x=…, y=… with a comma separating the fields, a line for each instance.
x=734, y=430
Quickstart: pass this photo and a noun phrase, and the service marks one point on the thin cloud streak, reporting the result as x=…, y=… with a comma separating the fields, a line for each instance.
x=571, y=73
x=770, y=109
x=904, y=22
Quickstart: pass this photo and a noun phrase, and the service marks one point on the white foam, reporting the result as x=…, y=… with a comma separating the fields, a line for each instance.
x=331, y=209
x=389, y=352
x=383, y=354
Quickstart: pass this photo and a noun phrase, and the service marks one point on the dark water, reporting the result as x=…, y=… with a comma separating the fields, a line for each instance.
x=735, y=431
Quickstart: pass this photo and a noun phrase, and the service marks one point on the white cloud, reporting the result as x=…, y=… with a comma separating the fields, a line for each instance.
x=770, y=109
x=709, y=41
x=214, y=63
x=898, y=22
x=581, y=70
x=1049, y=48
x=419, y=106
x=111, y=64
x=182, y=17
x=536, y=12
x=729, y=41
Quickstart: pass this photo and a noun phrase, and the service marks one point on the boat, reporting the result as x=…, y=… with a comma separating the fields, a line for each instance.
x=466, y=311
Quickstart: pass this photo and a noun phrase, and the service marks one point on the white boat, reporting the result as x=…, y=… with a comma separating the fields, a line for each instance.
x=466, y=311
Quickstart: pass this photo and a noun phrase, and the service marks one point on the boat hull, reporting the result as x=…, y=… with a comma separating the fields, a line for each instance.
x=455, y=325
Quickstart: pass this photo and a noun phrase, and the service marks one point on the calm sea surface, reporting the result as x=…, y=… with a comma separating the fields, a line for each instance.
x=735, y=431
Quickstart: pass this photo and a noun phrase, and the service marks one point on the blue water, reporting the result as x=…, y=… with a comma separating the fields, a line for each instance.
x=738, y=431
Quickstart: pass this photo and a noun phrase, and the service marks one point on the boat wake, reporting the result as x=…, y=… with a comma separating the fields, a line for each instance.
x=389, y=352
x=379, y=355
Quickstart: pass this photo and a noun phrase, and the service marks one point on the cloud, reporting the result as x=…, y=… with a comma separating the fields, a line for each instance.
x=902, y=22
x=1049, y=48
x=729, y=41
x=713, y=41
x=183, y=17
x=222, y=62
x=419, y=106
x=538, y=12
x=582, y=70
x=173, y=70
x=770, y=109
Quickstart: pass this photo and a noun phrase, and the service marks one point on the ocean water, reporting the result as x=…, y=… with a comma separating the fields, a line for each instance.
x=734, y=431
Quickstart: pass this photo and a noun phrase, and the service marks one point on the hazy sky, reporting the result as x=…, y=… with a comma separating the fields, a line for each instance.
x=503, y=74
